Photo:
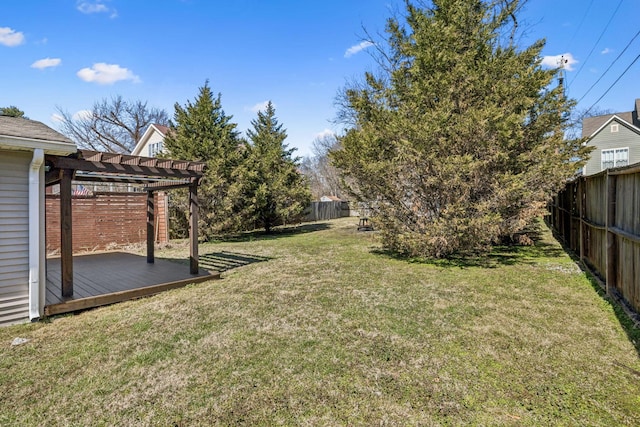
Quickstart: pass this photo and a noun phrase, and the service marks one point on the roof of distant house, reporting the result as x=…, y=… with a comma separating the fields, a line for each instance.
x=163, y=129
x=592, y=124
x=153, y=127
x=20, y=127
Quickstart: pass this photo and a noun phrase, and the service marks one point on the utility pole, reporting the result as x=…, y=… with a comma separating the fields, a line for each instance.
x=561, y=63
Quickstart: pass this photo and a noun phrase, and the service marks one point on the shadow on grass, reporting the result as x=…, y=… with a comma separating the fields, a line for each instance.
x=628, y=318
x=505, y=254
x=499, y=255
x=224, y=261
x=276, y=233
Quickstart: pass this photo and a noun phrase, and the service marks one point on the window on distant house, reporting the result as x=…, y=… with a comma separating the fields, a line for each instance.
x=622, y=157
x=614, y=128
x=614, y=157
x=155, y=148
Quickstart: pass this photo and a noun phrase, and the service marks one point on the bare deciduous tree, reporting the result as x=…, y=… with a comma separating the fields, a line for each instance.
x=323, y=176
x=113, y=125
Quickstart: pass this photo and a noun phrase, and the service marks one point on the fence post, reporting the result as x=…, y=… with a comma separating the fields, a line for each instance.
x=612, y=250
x=581, y=208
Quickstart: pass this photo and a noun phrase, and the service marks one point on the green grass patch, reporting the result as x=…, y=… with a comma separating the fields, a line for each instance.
x=317, y=326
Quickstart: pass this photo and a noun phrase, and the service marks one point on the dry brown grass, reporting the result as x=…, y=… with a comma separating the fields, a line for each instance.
x=328, y=331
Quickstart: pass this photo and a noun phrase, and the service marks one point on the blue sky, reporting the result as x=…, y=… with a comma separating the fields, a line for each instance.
x=296, y=53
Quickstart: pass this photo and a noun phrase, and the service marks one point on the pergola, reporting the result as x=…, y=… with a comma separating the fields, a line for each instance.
x=152, y=173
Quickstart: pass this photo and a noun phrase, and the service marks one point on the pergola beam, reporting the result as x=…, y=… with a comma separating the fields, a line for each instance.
x=95, y=161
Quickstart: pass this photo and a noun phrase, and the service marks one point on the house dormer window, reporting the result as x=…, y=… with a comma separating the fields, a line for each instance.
x=614, y=157
x=614, y=128
x=155, y=148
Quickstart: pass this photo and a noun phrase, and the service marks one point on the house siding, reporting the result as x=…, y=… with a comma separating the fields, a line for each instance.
x=605, y=139
x=154, y=138
x=14, y=236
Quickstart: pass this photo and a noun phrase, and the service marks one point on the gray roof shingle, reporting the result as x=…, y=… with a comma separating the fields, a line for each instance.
x=592, y=124
x=30, y=129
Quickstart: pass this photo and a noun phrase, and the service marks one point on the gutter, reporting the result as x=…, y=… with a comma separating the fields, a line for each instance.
x=59, y=148
x=36, y=264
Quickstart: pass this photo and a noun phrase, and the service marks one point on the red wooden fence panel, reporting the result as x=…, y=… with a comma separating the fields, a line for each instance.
x=104, y=220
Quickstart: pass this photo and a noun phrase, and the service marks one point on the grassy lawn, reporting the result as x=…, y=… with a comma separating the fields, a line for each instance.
x=319, y=327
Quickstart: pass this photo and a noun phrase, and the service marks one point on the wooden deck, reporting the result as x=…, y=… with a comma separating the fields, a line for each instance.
x=107, y=278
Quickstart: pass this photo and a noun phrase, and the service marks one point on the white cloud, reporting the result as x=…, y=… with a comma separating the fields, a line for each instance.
x=78, y=115
x=325, y=133
x=41, y=64
x=605, y=51
x=89, y=7
x=106, y=74
x=260, y=106
x=555, y=61
x=57, y=118
x=82, y=115
x=357, y=48
x=10, y=37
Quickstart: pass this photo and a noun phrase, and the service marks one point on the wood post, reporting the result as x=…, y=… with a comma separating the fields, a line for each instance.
x=193, y=227
x=582, y=206
x=66, y=234
x=612, y=250
x=150, y=228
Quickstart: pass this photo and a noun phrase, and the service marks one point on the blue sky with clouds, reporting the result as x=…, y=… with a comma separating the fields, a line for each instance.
x=296, y=53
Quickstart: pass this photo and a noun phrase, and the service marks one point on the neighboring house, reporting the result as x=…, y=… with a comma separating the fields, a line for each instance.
x=23, y=145
x=151, y=142
x=616, y=138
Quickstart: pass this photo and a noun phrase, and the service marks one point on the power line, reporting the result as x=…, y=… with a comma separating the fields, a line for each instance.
x=612, y=85
x=581, y=22
x=597, y=41
x=611, y=65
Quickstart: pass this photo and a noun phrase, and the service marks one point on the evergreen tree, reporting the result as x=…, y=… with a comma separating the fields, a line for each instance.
x=203, y=132
x=12, y=111
x=269, y=189
x=459, y=143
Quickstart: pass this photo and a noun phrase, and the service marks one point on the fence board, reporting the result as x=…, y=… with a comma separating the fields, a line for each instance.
x=636, y=204
x=322, y=211
x=636, y=275
x=596, y=199
x=99, y=221
x=625, y=202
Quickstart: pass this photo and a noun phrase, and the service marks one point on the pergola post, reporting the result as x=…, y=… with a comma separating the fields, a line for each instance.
x=193, y=227
x=66, y=234
x=150, y=228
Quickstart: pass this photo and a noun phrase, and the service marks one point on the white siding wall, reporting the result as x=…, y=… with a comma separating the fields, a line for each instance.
x=14, y=236
x=605, y=139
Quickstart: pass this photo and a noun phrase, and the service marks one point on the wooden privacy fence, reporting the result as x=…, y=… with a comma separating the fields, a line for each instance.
x=104, y=220
x=598, y=217
x=322, y=211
